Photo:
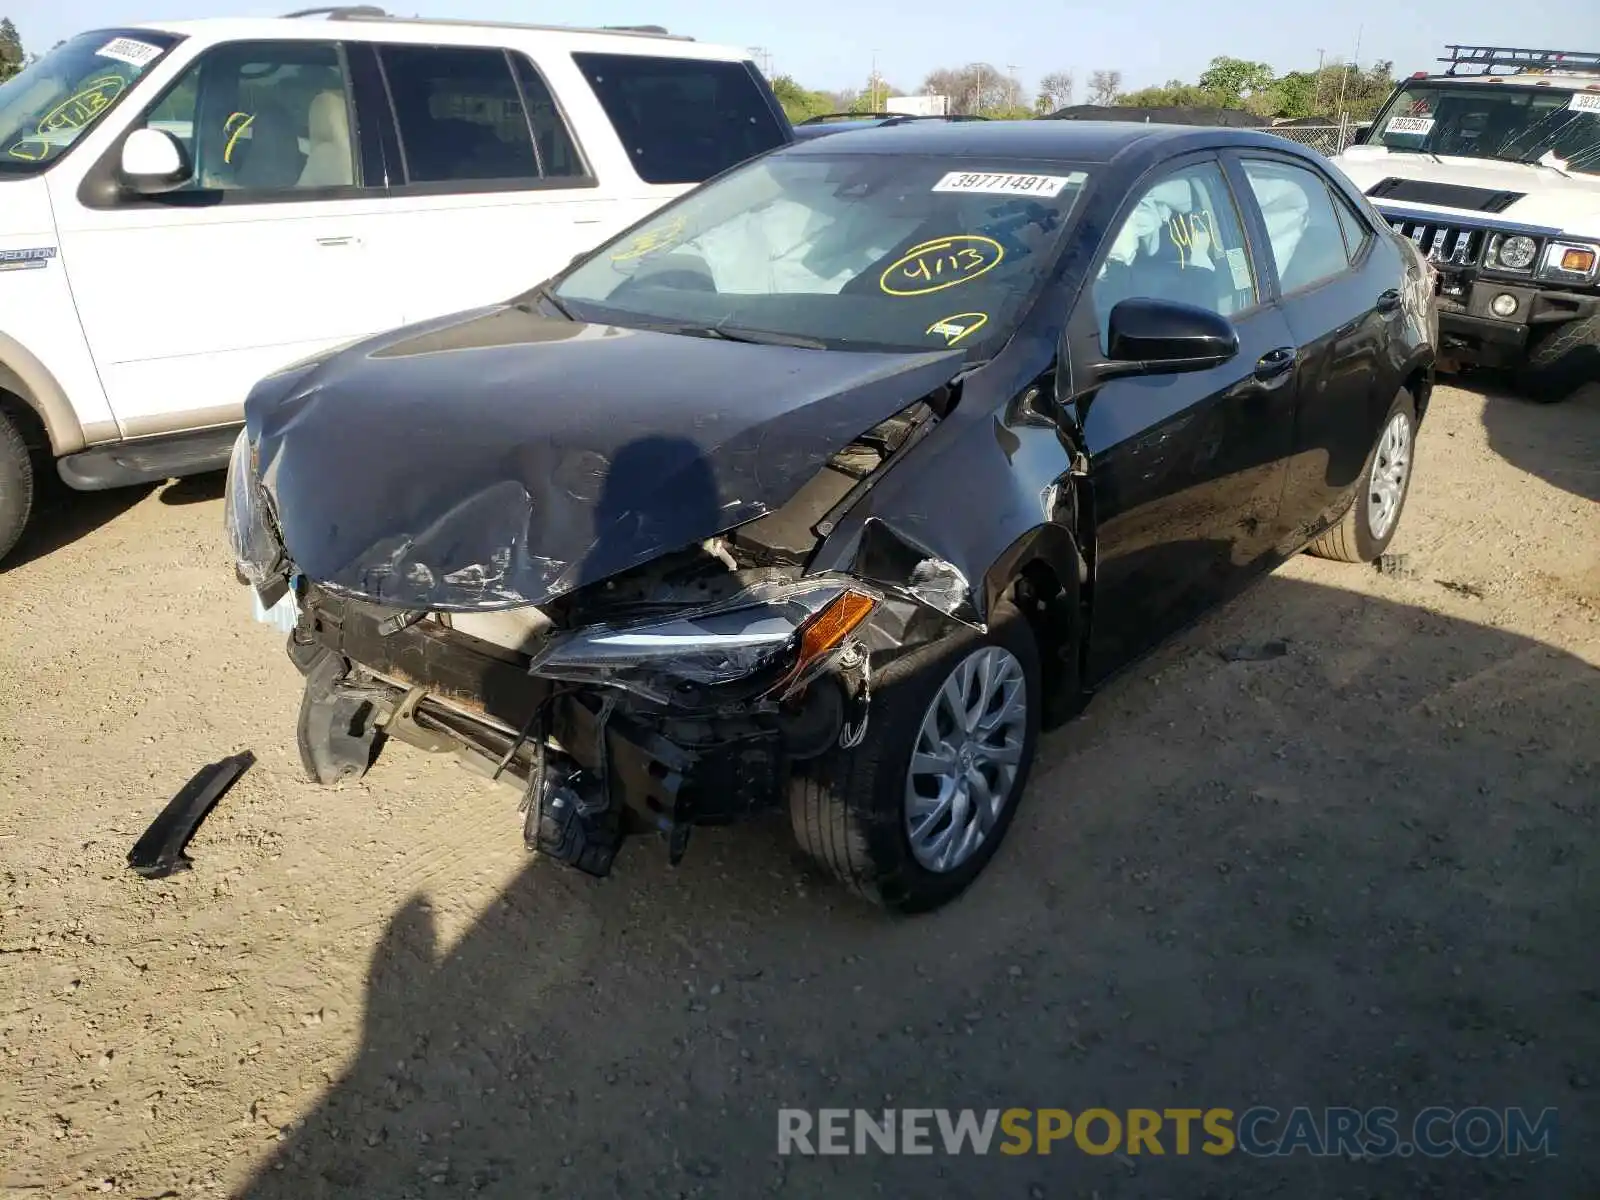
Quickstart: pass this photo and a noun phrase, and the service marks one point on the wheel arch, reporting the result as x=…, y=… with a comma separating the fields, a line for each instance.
x=1045, y=574
x=31, y=383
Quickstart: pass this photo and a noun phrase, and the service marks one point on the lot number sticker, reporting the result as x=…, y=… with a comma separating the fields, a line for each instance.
x=1409, y=125
x=130, y=50
x=1585, y=102
x=1004, y=185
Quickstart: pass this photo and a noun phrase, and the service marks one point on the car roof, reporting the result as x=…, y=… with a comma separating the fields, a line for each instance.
x=1074, y=141
x=365, y=28
x=1559, y=79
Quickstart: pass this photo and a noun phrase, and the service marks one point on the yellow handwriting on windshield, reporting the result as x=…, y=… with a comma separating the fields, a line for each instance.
x=957, y=326
x=84, y=105
x=72, y=114
x=941, y=263
x=651, y=240
x=234, y=128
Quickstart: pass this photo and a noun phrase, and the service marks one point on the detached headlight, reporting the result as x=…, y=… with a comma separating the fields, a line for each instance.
x=775, y=636
x=257, y=552
x=1570, y=262
x=1513, y=253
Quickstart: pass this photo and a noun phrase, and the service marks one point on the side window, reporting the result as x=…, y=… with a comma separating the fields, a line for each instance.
x=263, y=116
x=682, y=120
x=1356, y=232
x=1183, y=240
x=459, y=114
x=1302, y=224
x=558, y=153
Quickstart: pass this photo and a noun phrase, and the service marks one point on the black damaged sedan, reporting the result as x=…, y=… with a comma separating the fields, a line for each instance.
x=830, y=484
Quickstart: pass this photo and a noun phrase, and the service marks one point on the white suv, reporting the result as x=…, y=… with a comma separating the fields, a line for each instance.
x=185, y=208
x=1493, y=169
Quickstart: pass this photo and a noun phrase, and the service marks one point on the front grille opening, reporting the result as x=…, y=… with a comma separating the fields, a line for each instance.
x=1444, y=243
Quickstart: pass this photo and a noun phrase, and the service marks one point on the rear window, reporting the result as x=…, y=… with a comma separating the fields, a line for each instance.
x=682, y=120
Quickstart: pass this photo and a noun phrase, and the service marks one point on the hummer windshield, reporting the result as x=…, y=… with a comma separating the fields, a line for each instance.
x=1554, y=123
x=52, y=103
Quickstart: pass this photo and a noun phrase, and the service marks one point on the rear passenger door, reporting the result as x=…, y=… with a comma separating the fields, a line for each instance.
x=1322, y=251
x=489, y=192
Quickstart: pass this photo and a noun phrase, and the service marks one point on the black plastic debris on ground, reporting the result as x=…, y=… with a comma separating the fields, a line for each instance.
x=1396, y=565
x=1461, y=589
x=159, y=852
x=1254, y=651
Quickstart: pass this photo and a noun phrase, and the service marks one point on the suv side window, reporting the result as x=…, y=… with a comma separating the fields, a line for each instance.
x=682, y=120
x=1183, y=240
x=1307, y=237
x=459, y=113
x=263, y=116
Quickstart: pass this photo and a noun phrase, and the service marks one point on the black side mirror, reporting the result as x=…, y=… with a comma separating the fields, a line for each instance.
x=1150, y=337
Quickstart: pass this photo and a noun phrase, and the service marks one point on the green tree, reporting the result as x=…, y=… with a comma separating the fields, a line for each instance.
x=800, y=103
x=1230, y=80
x=12, y=56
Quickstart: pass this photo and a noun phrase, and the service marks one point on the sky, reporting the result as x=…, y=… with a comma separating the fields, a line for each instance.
x=831, y=44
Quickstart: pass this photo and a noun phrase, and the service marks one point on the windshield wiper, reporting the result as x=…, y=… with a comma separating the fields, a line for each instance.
x=544, y=293
x=755, y=337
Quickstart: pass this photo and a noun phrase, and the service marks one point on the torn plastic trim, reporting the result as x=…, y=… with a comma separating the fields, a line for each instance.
x=896, y=562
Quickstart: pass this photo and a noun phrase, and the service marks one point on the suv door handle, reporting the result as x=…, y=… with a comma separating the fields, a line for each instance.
x=342, y=240
x=1275, y=364
x=1388, y=301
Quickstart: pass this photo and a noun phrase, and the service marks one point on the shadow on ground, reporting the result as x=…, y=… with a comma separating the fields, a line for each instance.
x=61, y=516
x=1558, y=443
x=1362, y=873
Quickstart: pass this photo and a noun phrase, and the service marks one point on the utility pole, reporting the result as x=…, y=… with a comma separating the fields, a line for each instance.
x=1344, y=76
x=1316, y=95
x=1011, y=75
x=872, y=86
x=977, y=103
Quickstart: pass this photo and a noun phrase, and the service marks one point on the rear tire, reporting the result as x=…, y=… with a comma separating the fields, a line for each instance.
x=849, y=809
x=16, y=484
x=1562, y=361
x=1354, y=538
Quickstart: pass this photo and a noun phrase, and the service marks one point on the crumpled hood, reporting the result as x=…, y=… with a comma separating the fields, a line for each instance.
x=497, y=457
x=1569, y=204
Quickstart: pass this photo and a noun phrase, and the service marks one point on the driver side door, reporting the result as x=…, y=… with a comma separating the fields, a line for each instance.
x=1187, y=468
x=261, y=258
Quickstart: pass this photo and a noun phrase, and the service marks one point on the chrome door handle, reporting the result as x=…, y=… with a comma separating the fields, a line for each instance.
x=345, y=240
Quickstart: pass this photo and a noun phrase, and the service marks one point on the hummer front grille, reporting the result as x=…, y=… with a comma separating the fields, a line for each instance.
x=1443, y=243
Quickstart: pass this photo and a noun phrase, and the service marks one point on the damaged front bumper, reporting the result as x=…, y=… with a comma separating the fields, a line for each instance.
x=692, y=719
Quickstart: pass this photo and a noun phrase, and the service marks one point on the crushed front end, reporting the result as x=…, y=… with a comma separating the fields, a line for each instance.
x=679, y=692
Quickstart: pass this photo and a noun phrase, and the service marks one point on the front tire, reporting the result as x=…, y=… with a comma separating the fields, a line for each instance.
x=911, y=816
x=1369, y=524
x=1562, y=361
x=16, y=484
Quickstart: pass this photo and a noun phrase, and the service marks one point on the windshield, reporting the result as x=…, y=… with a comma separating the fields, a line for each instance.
x=1547, y=124
x=49, y=105
x=887, y=252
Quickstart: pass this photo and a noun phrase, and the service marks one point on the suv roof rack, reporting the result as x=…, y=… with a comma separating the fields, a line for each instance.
x=371, y=12
x=1488, y=59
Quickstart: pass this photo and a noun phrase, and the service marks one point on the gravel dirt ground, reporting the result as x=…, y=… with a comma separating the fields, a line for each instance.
x=1362, y=873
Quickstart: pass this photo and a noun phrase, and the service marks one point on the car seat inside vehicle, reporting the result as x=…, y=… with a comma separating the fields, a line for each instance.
x=329, y=162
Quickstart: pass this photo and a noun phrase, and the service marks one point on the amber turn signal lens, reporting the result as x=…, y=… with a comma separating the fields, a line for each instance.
x=832, y=625
x=1579, y=262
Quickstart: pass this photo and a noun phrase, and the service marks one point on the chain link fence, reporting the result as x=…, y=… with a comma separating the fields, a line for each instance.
x=1326, y=140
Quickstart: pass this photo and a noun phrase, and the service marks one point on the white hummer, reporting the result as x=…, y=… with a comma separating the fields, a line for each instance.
x=187, y=207
x=1493, y=169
